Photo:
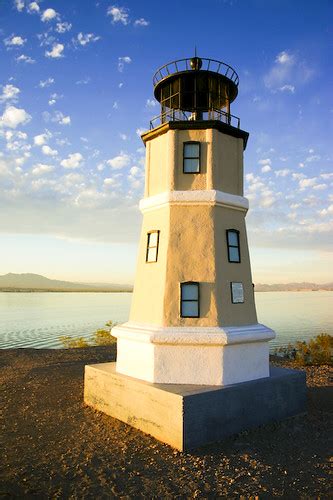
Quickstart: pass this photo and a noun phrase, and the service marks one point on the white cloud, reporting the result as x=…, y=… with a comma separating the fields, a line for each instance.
x=284, y=58
x=139, y=131
x=327, y=176
x=19, y=4
x=309, y=182
x=84, y=39
x=56, y=51
x=327, y=211
x=312, y=158
x=25, y=59
x=46, y=83
x=49, y=151
x=122, y=61
x=41, y=139
x=319, y=187
x=151, y=103
x=9, y=92
x=119, y=162
x=41, y=169
x=288, y=88
x=118, y=14
x=135, y=171
x=73, y=161
x=141, y=22
x=65, y=120
x=33, y=7
x=48, y=15
x=54, y=98
x=266, y=161
x=123, y=137
x=266, y=168
x=286, y=72
x=109, y=181
x=84, y=81
x=12, y=117
x=63, y=27
x=282, y=173
x=14, y=41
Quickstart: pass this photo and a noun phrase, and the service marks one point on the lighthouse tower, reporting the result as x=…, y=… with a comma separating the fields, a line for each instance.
x=192, y=361
x=193, y=318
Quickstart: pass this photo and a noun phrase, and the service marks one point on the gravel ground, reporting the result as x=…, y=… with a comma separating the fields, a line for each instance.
x=56, y=447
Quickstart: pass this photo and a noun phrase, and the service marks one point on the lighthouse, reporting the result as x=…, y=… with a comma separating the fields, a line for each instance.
x=192, y=361
x=193, y=318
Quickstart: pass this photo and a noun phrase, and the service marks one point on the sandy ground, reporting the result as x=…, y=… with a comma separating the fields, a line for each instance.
x=56, y=447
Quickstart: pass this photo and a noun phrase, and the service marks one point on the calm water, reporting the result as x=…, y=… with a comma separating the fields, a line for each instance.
x=39, y=319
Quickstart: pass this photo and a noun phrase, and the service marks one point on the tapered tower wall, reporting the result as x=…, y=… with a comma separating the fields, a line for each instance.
x=221, y=162
x=148, y=294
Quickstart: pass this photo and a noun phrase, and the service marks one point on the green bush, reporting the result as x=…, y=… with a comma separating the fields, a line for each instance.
x=317, y=351
x=102, y=336
x=73, y=343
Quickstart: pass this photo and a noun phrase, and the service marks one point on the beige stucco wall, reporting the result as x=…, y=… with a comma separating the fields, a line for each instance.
x=192, y=247
x=232, y=314
x=227, y=163
x=192, y=244
x=191, y=257
x=198, y=252
x=148, y=295
x=221, y=162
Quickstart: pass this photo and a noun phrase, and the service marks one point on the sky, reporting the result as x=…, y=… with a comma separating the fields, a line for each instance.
x=76, y=92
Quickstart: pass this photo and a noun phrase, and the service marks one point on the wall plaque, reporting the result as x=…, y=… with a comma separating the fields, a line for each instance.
x=237, y=293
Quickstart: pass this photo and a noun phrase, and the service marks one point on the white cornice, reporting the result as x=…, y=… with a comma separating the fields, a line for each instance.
x=195, y=197
x=200, y=335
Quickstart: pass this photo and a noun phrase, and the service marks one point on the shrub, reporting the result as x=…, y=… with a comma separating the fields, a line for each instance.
x=317, y=351
x=73, y=343
x=102, y=336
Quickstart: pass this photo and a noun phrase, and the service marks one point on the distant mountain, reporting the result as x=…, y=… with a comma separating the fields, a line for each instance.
x=292, y=287
x=36, y=282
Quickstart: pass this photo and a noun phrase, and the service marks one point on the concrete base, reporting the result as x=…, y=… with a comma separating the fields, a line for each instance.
x=189, y=416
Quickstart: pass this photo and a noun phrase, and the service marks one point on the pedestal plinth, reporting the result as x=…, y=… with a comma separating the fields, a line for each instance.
x=189, y=416
x=193, y=355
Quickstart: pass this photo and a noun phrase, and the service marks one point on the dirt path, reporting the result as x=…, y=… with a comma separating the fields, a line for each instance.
x=55, y=447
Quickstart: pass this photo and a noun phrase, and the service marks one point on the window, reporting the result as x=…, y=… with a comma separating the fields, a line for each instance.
x=233, y=245
x=152, y=246
x=189, y=300
x=191, y=158
x=237, y=293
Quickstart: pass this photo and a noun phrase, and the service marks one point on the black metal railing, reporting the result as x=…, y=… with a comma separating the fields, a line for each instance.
x=185, y=65
x=181, y=115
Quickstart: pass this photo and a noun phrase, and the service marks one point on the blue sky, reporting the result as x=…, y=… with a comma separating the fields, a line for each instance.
x=76, y=91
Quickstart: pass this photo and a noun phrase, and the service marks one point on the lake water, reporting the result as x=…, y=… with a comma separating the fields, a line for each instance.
x=39, y=319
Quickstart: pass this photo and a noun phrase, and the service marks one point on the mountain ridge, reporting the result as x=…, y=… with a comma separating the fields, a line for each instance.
x=32, y=282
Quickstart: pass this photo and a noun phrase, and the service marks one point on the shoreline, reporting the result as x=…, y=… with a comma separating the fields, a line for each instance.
x=56, y=447
x=29, y=290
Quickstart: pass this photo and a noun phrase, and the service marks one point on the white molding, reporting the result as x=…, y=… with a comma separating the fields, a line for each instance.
x=195, y=197
x=172, y=335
